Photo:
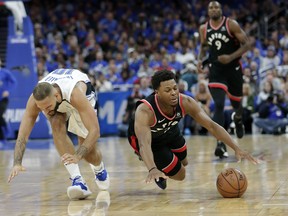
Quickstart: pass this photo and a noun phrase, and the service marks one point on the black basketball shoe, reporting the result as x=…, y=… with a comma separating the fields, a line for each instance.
x=221, y=150
x=162, y=183
x=239, y=127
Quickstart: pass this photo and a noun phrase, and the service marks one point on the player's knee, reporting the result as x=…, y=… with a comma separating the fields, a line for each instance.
x=181, y=174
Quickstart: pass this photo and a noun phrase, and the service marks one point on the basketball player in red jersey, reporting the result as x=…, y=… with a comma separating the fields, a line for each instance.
x=155, y=136
x=226, y=42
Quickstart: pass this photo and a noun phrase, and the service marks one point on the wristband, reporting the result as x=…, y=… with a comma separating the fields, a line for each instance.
x=152, y=169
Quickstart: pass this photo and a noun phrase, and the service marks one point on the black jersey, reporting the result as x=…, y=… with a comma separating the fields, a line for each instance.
x=221, y=41
x=164, y=128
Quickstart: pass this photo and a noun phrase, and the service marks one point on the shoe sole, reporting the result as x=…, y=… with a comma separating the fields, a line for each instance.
x=75, y=193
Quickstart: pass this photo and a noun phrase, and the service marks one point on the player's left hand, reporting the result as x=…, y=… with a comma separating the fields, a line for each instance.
x=155, y=174
x=243, y=154
x=224, y=59
x=68, y=159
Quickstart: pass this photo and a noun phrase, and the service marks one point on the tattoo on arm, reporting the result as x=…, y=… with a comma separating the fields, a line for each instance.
x=82, y=151
x=19, y=151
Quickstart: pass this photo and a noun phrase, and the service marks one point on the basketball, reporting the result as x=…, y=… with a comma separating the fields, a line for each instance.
x=231, y=183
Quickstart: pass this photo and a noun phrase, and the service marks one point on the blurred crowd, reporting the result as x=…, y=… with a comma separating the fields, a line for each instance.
x=121, y=44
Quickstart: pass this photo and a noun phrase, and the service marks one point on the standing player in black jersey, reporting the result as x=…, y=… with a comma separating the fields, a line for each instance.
x=155, y=136
x=227, y=42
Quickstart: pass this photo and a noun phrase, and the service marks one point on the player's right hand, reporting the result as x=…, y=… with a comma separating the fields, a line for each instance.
x=155, y=174
x=15, y=170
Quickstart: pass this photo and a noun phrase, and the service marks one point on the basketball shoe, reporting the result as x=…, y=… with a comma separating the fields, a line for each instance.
x=221, y=150
x=162, y=183
x=102, y=178
x=239, y=127
x=79, y=189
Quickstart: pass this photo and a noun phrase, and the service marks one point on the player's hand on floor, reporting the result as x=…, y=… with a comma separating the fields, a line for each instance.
x=243, y=154
x=15, y=170
x=155, y=174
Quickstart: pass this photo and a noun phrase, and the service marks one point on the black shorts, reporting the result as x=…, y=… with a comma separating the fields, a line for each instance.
x=229, y=78
x=167, y=156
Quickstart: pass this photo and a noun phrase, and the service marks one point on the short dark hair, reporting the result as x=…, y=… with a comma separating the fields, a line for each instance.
x=42, y=90
x=161, y=76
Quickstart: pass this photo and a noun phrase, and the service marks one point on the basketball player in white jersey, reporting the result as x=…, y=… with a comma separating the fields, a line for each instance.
x=66, y=94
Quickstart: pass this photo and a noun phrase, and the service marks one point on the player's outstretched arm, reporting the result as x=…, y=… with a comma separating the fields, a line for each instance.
x=26, y=126
x=195, y=111
x=144, y=117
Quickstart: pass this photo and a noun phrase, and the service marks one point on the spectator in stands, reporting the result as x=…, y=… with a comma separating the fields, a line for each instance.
x=186, y=124
x=7, y=83
x=284, y=41
x=175, y=64
x=273, y=112
x=257, y=57
x=155, y=60
x=145, y=88
x=124, y=81
x=165, y=65
x=272, y=77
x=99, y=64
x=134, y=60
x=271, y=58
x=265, y=92
x=248, y=108
x=145, y=69
x=189, y=74
x=254, y=67
x=204, y=98
x=112, y=74
x=102, y=84
x=130, y=108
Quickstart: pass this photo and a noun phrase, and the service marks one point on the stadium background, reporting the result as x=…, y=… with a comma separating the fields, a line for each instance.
x=114, y=38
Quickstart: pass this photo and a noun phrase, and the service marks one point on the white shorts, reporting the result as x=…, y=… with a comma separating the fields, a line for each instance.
x=75, y=124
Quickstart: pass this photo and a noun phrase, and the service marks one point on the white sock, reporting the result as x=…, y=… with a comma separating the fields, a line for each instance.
x=97, y=169
x=73, y=170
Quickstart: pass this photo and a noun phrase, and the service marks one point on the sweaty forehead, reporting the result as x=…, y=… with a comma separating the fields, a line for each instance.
x=168, y=84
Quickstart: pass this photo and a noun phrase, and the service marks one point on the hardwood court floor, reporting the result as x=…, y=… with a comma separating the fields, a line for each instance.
x=41, y=190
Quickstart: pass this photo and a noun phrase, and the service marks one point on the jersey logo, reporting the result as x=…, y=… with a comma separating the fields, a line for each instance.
x=178, y=115
x=219, y=38
x=237, y=68
x=209, y=30
x=223, y=28
x=161, y=120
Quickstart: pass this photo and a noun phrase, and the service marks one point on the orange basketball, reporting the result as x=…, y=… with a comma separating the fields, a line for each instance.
x=231, y=183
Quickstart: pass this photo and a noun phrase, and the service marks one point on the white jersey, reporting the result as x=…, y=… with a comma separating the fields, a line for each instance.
x=66, y=79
